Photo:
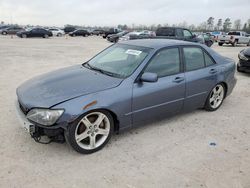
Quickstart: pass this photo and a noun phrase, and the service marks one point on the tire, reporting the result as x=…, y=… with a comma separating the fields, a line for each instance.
x=93, y=136
x=215, y=98
x=59, y=34
x=248, y=44
x=220, y=43
x=24, y=36
x=4, y=33
x=73, y=35
x=209, y=43
x=235, y=43
x=238, y=69
x=46, y=36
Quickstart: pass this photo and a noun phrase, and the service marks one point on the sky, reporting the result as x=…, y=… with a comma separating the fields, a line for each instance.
x=114, y=12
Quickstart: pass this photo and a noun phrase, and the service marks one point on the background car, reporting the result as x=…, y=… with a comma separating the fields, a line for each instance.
x=110, y=32
x=115, y=37
x=98, y=32
x=244, y=61
x=79, y=32
x=11, y=30
x=208, y=39
x=137, y=35
x=57, y=32
x=69, y=29
x=35, y=32
x=177, y=33
x=128, y=84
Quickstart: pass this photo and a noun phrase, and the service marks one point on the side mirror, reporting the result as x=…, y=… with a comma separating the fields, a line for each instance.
x=149, y=77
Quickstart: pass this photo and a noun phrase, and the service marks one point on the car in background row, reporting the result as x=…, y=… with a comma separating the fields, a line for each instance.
x=215, y=34
x=128, y=84
x=69, y=29
x=35, y=32
x=234, y=38
x=115, y=37
x=79, y=32
x=57, y=32
x=207, y=39
x=111, y=31
x=244, y=61
x=137, y=35
x=178, y=34
x=12, y=30
x=97, y=32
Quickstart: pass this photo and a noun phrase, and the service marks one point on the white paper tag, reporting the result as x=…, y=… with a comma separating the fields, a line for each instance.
x=133, y=52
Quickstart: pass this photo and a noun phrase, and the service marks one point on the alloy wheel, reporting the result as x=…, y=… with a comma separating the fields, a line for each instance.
x=92, y=130
x=216, y=96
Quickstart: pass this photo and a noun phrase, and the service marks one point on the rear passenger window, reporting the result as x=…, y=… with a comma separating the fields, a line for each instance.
x=165, y=63
x=208, y=60
x=193, y=58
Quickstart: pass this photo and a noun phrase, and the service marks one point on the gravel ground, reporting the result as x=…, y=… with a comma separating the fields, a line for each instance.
x=175, y=152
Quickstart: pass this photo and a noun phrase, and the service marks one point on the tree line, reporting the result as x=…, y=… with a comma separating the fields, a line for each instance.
x=210, y=25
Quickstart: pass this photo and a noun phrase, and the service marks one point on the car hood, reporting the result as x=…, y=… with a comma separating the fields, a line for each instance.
x=55, y=87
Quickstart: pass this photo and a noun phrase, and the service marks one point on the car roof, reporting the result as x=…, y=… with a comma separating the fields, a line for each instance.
x=157, y=43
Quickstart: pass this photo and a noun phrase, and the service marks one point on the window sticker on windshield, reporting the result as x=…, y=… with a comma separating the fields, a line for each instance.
x=133, y=52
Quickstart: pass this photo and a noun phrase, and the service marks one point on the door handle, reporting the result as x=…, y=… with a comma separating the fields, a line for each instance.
x=178, y=79
x=212, y=71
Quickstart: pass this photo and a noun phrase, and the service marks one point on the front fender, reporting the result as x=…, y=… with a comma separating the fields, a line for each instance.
x=116, y=100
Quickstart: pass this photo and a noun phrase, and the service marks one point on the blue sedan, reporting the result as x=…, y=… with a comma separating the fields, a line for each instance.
x=127, y=84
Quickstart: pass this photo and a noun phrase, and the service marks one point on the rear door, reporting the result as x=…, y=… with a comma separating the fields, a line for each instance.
x=201, y=75
x=164, y=97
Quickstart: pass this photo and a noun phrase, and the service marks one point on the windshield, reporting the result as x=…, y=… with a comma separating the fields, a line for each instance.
x=119, y=60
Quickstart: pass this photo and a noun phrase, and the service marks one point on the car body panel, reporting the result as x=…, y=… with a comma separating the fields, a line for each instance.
x=63, y=84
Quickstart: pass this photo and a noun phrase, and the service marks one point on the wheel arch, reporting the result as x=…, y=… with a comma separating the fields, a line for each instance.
x=225, y=86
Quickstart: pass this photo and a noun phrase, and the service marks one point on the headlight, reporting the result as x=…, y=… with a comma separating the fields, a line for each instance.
x=242, y=56
x=45, y=117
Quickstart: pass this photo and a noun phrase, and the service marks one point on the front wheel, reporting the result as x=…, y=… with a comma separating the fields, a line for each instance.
x=215, y=98
x=220, y=43
x=46, y=36
x=91, y=132
x=248, y=44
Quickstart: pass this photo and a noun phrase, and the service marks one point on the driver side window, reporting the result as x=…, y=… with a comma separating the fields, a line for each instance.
x=165, y=63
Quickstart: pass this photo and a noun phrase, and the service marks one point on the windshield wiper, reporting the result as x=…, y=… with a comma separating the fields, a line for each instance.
x=101, y=71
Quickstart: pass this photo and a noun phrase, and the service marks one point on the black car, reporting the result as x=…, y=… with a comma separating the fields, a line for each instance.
x=79, y=32
x=115, y=37
x=69, y=29
x=244, y=61
x=177, y=33
x=36, y=32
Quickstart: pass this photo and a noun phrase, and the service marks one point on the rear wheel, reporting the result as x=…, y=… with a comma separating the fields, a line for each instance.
x=215, y=98
x=4, y=33
x=91, y=133
x=59, y=34
x=46, y=36
x=248, y=44
x=220, y=43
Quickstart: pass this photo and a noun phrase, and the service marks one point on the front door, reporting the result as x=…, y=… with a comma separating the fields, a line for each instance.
x=164, y=97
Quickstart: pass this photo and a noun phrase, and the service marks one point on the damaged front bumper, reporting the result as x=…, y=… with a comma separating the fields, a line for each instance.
x=55, y=133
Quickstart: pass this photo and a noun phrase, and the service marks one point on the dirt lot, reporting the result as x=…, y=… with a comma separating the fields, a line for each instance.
x=172, y=153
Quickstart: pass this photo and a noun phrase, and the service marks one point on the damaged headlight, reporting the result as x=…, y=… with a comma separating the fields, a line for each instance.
x=45, y=117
